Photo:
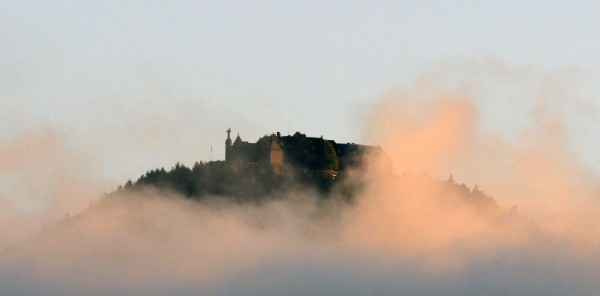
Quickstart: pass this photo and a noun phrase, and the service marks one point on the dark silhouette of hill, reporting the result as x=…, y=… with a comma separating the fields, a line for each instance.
x=327, y=168
x=272, y=165
x=242, y=183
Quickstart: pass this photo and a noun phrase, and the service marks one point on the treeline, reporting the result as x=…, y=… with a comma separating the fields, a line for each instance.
x=302, y=151
x=237, y=182
x=310, y=164
x=256, y=183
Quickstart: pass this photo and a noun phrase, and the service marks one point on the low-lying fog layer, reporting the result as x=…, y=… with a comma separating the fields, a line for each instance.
x=405, y=235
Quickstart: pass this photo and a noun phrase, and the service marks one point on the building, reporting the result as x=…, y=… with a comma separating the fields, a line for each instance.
x=262, y=153
x=299, y=151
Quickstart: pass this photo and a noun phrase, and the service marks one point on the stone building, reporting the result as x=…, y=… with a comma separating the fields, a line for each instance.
x=239, y=152
x=267, y=152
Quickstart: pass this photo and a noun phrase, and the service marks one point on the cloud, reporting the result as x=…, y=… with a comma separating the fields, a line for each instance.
x=42, y=179
x=154, y=243
x=411, y=233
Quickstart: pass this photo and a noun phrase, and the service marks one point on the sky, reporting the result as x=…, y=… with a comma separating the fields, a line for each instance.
x=129, y=86
x=183, y=72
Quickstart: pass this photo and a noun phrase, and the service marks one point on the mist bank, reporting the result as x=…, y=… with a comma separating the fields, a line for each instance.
x=403, y=234
x=524, y=223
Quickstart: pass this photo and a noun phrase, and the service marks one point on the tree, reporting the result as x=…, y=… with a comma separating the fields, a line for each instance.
x=263, y=146
x=325, y=156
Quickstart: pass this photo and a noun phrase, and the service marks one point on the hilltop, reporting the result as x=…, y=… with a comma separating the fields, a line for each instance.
x=275, y=165
x=271, y=165
x=165, y=226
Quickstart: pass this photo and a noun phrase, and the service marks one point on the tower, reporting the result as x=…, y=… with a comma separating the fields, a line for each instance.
x=228, y=146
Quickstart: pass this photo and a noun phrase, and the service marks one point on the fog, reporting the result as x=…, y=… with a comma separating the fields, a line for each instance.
x=406, y=233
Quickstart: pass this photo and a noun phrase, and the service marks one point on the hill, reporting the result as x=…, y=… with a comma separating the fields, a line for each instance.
x=272, y=165
x=252, y=172
x=170, y=231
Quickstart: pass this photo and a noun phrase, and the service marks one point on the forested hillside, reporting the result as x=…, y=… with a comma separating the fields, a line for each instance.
x=243, y=183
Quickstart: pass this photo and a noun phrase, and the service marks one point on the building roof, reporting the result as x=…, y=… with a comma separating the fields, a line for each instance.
x=238, y=140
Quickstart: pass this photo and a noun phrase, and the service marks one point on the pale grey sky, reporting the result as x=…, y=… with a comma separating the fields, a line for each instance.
x=150, y=83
